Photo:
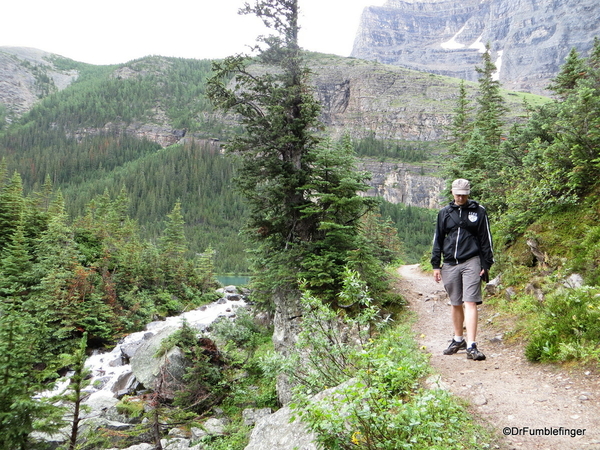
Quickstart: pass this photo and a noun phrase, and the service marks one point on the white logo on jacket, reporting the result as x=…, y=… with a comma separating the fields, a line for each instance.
x=473, y=216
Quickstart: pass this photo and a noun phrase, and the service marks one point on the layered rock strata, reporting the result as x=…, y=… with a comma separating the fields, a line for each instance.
x=529, y=39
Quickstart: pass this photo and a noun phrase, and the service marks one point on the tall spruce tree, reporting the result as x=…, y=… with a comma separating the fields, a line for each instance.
x=570, y=73
x=477, y=157
x=20, y=413
x=12, y=207
x=462, y=122
x=280, y=116
x=491, y=106
x=173, y=247
x=579, y=119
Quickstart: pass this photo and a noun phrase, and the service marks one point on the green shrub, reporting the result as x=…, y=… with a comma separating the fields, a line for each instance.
x=378, y=402
x=242, y=334
x=130, y=407
x=586, y=255
x=383, y=407
x=569, y=327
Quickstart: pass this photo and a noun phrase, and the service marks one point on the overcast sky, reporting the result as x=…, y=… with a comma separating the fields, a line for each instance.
x=117, y=31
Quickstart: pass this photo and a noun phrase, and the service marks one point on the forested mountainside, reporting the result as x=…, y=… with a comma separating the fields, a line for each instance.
x=148, y=127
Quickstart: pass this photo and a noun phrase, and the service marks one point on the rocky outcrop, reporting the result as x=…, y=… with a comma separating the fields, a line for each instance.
x=26, y=75
x=403, y=183
x=162, y=374
x=284, y=430
x=529, y=38
x=360, y=98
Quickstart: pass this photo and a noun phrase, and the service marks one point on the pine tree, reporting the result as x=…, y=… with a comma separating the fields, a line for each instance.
x=335, y=204
x=15, y=268
x=462, y=125
x=173, y=247
x=173, y=243
x=594, y=58
x=20, y=413
x=56, y=311
x=279, y=115
x=279, y=170
x=491, y=107
x=578, y=121
x=570, y=73
x=75, y=395
x=12, y=207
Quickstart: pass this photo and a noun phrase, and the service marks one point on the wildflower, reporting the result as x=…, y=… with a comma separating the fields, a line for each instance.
x=356, y=437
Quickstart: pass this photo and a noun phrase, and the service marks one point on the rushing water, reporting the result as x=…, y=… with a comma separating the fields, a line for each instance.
x=107, y=368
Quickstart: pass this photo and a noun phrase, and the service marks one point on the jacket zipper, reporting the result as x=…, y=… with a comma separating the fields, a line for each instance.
x=457, y=237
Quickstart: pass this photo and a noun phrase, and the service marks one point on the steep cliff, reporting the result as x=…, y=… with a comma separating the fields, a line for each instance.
x=529, y=38
x=361, y=97
x=26, y=75
x=403, y=183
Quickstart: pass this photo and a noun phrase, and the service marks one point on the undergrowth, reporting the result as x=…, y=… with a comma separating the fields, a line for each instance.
x=569, y=327
x=379, y=402
x=558, y=320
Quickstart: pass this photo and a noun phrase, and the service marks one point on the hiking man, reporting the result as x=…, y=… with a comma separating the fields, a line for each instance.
x=463, y=238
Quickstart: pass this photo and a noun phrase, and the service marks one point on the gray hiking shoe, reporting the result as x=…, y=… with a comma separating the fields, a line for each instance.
x=455, y=346
x=474, y=354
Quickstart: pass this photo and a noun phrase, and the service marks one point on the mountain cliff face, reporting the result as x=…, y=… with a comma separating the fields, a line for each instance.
x=26, y=75
x=361, y=97
x=529, y=38
x=358, y=97
x=403, y=183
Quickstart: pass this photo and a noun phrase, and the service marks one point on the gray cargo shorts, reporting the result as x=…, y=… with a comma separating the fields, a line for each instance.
x=462, y=282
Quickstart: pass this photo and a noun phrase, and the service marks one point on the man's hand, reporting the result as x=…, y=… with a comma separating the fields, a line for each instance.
x=437, y=275
x=485, y=275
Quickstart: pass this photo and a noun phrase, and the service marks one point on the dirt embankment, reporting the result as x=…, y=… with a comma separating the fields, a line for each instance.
x=532, y=406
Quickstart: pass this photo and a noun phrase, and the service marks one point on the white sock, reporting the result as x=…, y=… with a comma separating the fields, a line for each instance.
x=458, y=338
x=470, y=344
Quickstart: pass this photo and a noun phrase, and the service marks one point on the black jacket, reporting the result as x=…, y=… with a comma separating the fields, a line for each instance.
x=462, y=232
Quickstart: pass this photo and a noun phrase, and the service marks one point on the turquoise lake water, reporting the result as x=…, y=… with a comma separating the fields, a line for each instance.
x=236, y=280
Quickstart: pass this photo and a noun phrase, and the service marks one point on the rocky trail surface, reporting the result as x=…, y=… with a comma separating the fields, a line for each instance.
x=531, y=406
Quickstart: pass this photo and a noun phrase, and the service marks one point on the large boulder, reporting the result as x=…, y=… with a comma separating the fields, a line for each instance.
x=278, y=432
x=163, y=374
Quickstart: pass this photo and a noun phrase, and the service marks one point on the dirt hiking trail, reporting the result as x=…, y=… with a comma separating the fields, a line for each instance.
x=506, y=391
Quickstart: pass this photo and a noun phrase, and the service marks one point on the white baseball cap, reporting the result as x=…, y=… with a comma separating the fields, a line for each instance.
x=461, y=187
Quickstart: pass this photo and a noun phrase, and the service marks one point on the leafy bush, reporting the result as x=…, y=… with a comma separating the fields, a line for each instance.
x=242, y=335
x=586, y=255
x=383, y=407
x=568, y=328
x=378, y=403
x=329, y=342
